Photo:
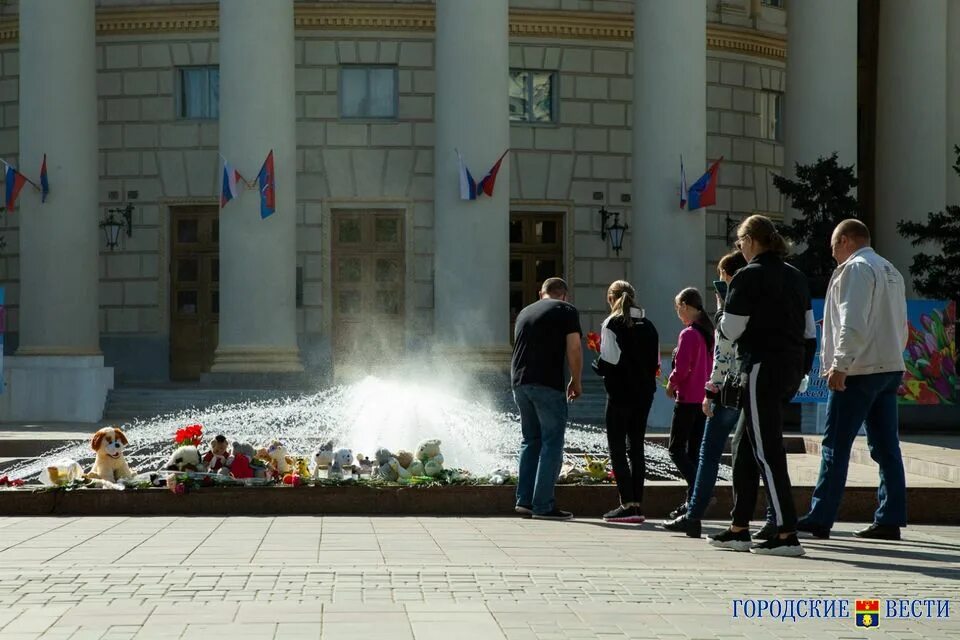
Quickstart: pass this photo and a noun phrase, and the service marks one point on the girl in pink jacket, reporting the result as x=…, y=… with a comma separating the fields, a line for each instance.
x=692, y=362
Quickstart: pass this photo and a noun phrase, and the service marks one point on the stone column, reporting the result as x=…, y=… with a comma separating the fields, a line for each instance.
x=258, y=256
x=953, y=99
x=58, y=371
x=471, y=238
x=669, y=119
x=821, y=98
x=911, y=121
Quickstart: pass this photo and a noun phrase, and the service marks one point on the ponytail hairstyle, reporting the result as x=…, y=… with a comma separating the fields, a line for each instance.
x=692, y=298
x=762, y=231
x=624, y=297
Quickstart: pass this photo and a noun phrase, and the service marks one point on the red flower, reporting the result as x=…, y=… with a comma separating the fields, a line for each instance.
x=926, y=396
x=180, y=489
x=189, y=435
x=593, y=341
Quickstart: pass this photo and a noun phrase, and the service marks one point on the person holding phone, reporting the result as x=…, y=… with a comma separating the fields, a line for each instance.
x=720, y=419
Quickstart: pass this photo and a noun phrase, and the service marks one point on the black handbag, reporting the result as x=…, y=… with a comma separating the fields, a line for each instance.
x=731, y=391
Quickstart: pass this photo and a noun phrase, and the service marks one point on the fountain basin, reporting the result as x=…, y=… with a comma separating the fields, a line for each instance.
x=926, y=505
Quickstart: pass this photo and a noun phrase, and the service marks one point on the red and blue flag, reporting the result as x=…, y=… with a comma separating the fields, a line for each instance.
x=229, y=180
x=44, y=182
x=267, y=181
x=13, y=181
x=487, y=182
x=703, y=192
x=468, y=186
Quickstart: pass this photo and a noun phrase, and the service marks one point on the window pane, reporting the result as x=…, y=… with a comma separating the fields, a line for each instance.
x=349, y=270
x=215, y=270
x=348, y=302
x=518, y=96
x=188, y=269
x=199, y=92
x=516, y=304
x=388, y=301
x=546, y=269
x=214, y=100
x=215, y=230
x=777, y=113
x=382, y=88
x=516, y=231
x=187, y=231
x=516, y=270
x=547, y=232
x=187, y=302
x=349, y=230
x=214, y=302
x=386, y=230
x=387, y=270
x=353, y=90
x=542, y=100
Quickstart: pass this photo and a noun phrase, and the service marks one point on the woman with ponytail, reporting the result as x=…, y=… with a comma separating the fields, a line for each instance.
x=629, y=359
x=692, y=362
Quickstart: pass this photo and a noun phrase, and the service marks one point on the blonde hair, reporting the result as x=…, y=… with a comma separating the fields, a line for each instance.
x=624, y=297
x=762, y=231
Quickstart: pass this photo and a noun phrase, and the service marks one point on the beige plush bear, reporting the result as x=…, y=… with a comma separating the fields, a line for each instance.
x=428, y=453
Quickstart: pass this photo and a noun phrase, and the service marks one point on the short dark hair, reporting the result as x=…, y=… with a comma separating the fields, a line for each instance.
x=554, y=287
x=853, y=228
x=731, y=263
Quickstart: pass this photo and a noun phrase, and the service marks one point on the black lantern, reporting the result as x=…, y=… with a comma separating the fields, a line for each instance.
x=114, y=223
x=616, y=230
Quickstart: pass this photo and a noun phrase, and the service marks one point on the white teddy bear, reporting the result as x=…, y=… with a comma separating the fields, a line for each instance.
x=428, y=452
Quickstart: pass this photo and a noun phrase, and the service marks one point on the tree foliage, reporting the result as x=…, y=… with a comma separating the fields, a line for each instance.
x=937, y=275
x=822, y=195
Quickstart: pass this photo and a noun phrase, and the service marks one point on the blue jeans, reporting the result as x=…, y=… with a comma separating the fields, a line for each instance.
x=715, y=435
x=543, y=422
x=871, y=399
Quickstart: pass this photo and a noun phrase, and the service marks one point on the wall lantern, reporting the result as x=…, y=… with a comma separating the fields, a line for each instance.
x=114, y=223
x=616, y=230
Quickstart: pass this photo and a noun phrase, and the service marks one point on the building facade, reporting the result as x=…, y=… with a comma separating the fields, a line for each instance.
x=371, y=253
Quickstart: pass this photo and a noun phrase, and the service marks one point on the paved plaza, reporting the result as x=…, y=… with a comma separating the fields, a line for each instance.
x=436, y=578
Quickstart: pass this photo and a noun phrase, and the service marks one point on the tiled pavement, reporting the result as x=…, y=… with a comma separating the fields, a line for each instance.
x=432, y=578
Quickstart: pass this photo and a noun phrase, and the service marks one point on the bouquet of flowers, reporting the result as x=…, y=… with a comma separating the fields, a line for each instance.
x=189, y=435
x=593, y=341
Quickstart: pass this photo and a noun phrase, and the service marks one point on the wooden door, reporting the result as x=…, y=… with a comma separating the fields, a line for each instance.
x=368, y=270
x=536, y=253
x=194, y=290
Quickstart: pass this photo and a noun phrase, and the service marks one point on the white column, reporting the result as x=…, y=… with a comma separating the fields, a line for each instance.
x=821, y=98
x=669, y=119
x=58, y=373
x=953, y=99
x=911, y=121
x=471, y=238
x=258, y=256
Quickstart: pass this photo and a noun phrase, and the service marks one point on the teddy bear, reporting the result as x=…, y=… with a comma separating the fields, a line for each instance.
x=388, y=467
x=110, y=464
x=409, y=462
x=185, y=459
x=428, y=452
x=323, y=458
x=279, y=462
x=239, y=464
x=342, y=462
x=216, y=458
x=365, y=464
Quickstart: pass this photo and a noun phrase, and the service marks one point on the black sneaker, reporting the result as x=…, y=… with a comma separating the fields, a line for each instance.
x=631, y=515
x=768, y=531
x=735, y=541
x=879, y=532
x=683, y=524
x=679, y=511
x=815, y=530
x=788, y=546
x=556, y=514
x=524, y=510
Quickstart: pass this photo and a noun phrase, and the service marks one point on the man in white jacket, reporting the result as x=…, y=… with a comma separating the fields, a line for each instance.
x=864, y=335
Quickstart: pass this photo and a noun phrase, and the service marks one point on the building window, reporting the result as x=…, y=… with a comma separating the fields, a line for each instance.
x=198, y=95
x=533, y=96
x=773, y=3
x=771, y=116
x=368, y=92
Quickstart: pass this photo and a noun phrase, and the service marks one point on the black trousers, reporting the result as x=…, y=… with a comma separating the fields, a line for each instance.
x=758, y=445
x=686, y=434
x=626, y=429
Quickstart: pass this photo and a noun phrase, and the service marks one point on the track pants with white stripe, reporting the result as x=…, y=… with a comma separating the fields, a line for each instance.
x=759, y=451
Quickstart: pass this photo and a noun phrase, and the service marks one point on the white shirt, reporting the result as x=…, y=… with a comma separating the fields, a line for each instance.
x=864, y=316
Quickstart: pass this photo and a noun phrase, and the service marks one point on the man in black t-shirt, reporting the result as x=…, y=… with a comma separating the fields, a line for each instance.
x=546, y=331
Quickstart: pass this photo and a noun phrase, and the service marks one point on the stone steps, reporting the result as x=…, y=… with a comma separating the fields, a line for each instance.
x=130, y=403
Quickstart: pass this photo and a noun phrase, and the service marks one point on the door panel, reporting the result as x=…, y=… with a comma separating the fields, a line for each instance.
x=536, y=253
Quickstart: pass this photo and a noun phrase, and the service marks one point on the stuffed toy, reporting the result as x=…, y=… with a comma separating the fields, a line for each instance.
x=428, y=452
x=185, y=459
x=323, y=458
x=365, y=464
x=216, y=458
x=61, y=472
x=389, y=468
x=239, y=463
x=405, y=458
x=596, y=468
x=110, y=465
x=280, y=463
x=345, y=458
x=303, y=468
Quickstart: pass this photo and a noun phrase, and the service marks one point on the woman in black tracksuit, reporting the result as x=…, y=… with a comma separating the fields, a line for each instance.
x=629, y=360
x=768, y=316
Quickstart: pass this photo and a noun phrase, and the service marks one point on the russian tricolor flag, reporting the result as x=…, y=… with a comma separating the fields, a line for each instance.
x=468, y=186
x=487, y=182
x=13, y=182
x=267, y=182
x=703, y=192
x=228, y=183
x=44, y=182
